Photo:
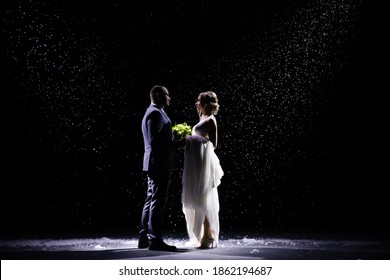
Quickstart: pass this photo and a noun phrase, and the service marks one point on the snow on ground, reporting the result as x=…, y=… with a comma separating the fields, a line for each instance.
x=105, y=243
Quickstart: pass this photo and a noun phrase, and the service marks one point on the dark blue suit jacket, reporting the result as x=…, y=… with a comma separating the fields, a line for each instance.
x=158, y=140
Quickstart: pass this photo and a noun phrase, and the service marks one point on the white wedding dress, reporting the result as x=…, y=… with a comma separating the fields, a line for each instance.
x=202, y=175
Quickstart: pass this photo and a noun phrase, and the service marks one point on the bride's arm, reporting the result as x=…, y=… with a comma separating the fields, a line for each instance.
x=213, y=131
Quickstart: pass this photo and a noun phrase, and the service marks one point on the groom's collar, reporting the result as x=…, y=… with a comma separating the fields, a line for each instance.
x=155, y=105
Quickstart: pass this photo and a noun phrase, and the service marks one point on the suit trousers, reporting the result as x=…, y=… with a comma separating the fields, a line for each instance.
x=154, y=206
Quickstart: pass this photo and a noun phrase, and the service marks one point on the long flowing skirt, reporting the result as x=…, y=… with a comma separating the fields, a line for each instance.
x=202, y=175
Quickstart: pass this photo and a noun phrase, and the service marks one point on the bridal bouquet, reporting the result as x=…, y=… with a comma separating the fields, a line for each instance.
x=181, y=130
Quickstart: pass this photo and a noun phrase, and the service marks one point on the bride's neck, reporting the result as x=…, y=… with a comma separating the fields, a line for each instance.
x=202, y=117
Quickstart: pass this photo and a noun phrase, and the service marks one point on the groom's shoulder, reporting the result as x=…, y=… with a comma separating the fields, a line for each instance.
x=152, y=111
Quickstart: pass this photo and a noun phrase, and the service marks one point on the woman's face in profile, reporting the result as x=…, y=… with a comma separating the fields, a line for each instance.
x=197, y=105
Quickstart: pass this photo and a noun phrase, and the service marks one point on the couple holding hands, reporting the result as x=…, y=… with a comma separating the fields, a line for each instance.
x=201, y=176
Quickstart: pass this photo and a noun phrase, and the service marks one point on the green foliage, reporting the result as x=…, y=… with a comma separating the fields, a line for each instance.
x=181, y=130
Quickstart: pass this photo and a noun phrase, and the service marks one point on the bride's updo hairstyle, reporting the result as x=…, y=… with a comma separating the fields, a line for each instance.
x=209, y=100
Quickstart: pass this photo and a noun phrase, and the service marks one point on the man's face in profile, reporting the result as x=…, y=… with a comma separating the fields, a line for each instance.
x=165, y=99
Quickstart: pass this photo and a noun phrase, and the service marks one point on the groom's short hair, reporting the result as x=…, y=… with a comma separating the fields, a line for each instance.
x=157, y=92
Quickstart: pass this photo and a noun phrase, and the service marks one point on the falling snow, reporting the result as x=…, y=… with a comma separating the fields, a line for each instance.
x=79, y=77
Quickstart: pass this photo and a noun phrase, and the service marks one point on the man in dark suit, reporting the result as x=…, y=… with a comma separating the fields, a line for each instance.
x=158, y=163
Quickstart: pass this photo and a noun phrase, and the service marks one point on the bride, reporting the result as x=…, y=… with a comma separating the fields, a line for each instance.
x=202, y=175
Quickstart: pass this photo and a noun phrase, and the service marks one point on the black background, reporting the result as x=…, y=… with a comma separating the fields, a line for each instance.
x=302, y=132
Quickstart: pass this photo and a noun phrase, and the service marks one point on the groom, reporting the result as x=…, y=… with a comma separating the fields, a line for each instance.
x=158, y=163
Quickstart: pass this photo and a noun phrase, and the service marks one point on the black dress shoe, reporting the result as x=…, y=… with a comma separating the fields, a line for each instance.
x=161, y=246
x=143, y=242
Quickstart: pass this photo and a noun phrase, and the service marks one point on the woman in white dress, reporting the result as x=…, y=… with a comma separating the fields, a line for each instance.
x=202, y=175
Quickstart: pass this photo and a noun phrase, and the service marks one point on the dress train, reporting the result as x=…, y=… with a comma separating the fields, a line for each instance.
x=201, y=177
